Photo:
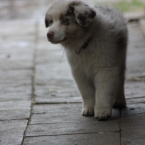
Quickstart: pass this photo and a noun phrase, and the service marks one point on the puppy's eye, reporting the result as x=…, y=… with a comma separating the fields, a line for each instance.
x=50, y=22
x=65, y=21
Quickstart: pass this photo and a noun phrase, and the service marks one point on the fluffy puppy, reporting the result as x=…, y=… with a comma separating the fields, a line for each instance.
x=95, y=41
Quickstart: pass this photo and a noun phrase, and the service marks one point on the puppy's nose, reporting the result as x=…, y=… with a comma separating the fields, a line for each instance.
x=50, y=35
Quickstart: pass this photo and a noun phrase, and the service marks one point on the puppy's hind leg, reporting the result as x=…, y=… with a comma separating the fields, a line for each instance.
x=88, y=94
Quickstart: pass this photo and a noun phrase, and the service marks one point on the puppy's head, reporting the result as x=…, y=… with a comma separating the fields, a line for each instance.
x=68, y=20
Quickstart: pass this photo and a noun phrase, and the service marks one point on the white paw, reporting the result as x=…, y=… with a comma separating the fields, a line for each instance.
x=103, y=113
x=88, y=111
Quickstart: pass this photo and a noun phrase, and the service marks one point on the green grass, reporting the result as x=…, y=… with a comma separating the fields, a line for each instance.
x=129, y=5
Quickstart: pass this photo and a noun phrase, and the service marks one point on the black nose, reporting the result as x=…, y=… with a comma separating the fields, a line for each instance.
x=50, y=35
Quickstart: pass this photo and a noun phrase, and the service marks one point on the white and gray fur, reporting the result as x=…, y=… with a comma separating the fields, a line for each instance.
x=99, y=69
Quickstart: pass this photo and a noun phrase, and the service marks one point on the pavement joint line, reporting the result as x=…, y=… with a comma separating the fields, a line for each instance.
x=99, y=132
x=53, y=103
x=14, y=119
x=17, y=69
x=120, y=126
x=131, y=103
x=43, y=123
x=139, y=79
x=36, y=33
x=135, y=97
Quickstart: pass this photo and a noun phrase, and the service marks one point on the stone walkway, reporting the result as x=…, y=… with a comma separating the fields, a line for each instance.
x=39, y=101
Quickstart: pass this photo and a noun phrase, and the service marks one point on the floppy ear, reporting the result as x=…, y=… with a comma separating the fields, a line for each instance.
x=84, y=14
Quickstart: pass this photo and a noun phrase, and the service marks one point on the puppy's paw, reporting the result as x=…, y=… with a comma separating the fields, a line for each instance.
x=88, y=111
x=102, y=113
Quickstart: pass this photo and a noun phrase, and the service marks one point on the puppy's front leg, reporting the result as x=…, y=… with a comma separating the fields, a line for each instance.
x=88, y=93
x=106, y=82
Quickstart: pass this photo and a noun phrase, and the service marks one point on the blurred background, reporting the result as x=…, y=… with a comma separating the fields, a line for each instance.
x=35, y=9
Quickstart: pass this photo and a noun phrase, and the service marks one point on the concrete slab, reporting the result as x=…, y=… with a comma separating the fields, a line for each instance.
x=8, y=105
x=68, y=128
x=136, y=52
x=133, y=129
x=18, y=28
x=66, y=113
x=16, y=63
x=133, y=109
x=15, y=114
x=100, y=138
x=135, y=89
x=11, y=132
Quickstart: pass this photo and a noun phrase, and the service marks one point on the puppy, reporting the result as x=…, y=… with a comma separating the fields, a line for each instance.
x=95, y=42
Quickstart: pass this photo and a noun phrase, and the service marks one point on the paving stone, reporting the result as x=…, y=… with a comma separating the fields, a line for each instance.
x=58, y=90
x=16, y=63
x=7, y=65
x=66, y=119
x=16, y=55
x=48, y=52
x=20, y=76
x=24, y=89
x=132, y=124
x=59, y=108
x=11, y=132
x=57, y=70
x=101, y=138
x=15, y=84
x=133, y=129
x=61, y=128
x=16, y=37
x=52, y=59
x=133, y=109
x=136, y=52
x=52, y=100
x=135, y=89
x=66, y=113
x=136, y=100
x=14, y=114
x=15, y=96
x=16, y=43
x=14, y=104
x=17, y=28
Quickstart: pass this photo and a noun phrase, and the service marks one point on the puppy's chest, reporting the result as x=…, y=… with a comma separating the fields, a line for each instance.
x=85, y=63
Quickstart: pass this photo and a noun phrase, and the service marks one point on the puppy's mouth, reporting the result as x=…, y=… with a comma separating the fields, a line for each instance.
x=57, y=41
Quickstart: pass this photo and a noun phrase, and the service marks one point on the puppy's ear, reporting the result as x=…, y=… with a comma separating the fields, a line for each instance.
x=84, y=14
x=46, y=22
